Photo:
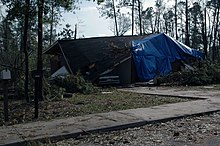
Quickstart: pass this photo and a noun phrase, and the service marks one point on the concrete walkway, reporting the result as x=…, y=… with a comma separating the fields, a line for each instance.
x=72, y=127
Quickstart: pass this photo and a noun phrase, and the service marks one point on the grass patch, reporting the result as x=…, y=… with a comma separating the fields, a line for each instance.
x=217, y=87
x=80, y=104
x=118, y=100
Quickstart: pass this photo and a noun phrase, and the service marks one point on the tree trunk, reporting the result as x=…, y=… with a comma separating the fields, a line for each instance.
x=176, y=28
x=132, y=19
x=39, y=74
x=166, y=27
x=75, y=32
x=204, y=34
x=187, y=25
x=51, y=23
x=211, y=30
x=25, y=39
x=152, y=25
x=158, y=22
x=214, y=47
x=155, y=25
x=139, y=13
x=115, y=17
x=218, y=48
x=40, y=41
x=6, y=34
x=182, y=30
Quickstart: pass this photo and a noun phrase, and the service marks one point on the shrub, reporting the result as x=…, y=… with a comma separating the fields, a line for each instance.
x=1, y=97
x=75, y=83
x=52, y=92
x=204, y=73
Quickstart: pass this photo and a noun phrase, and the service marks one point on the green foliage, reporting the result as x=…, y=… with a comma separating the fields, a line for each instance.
x=75, y=83
x=52, y=92
x=66, y=33
x=204, y=73
x=19, y=87
x=196, y=17
x=1, y=97
x=99, y=1
x=111, y=9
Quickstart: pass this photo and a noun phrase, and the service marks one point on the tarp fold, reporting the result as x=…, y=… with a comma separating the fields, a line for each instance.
x=153, y=55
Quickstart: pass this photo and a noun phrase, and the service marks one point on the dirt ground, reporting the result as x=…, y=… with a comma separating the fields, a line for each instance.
x=78, y=105
x=189, y=131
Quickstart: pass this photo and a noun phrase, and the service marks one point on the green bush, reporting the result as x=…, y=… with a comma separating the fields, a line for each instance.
x=204, y=73
x=52, y=92
x=1, y=97
x=19, y=88
x=75, y=83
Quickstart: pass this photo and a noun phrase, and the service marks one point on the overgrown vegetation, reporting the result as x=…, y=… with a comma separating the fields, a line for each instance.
x=204, y=73
x=53, y=92
x=75, y=84
x=1, y=97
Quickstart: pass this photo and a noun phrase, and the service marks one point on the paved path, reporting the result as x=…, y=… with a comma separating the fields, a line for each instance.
x=169, y=91
x=72, y=127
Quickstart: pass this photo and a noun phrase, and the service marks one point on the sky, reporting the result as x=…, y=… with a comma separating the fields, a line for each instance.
x=89, y=21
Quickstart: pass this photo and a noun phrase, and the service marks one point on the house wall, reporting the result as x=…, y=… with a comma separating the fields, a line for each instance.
x=56, y=62
x=134, y=77
x=126, y=70
x=123, y=70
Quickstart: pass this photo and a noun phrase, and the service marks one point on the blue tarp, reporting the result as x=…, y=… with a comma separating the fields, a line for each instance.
x=153, y=55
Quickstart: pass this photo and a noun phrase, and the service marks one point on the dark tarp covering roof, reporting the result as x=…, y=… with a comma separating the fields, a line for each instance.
x=104, y=52
x=154, y=54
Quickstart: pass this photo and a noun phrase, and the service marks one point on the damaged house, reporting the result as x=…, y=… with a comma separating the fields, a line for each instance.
x=123, y=59
x=95, y=58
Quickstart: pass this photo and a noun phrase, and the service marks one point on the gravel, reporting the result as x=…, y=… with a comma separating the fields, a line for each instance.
x=194, y=130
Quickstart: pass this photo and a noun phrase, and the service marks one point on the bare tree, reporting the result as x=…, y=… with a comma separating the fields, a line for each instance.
x=123, y=24
x=115, y=17
x=108, y=10
x=216, y=25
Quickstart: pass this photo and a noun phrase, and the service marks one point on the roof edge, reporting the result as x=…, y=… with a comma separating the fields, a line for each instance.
x=50, y=47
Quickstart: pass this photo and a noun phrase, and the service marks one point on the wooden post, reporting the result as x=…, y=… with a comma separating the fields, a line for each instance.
x=36, y=97
x=5, y=100
x=5, y=76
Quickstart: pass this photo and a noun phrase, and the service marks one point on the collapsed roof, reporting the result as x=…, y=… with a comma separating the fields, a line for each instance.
x=97, y=54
